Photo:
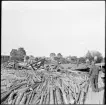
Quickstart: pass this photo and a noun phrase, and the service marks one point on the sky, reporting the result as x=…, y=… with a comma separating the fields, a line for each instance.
x=42, y=27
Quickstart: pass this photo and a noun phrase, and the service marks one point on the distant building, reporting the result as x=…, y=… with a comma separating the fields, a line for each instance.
x=4, y=58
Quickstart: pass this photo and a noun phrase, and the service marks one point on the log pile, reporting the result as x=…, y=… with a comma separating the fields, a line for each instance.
x=17, y=65
x=46, y=87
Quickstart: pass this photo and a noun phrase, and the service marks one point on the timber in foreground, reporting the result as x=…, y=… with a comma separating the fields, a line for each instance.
x=39, y=83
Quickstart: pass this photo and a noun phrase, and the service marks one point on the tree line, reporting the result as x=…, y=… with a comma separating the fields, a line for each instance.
x=20, y=55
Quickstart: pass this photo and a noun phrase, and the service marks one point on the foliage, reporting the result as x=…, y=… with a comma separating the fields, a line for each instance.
x=99, y=56
x=14, y=55
x=73, y=59
x=82, y=60
x=31, y=59
x=89, y=56
x=68, y=59
x=64, y=61
x=57, y=59
x=52, y=54
x=92, y=54
x=61, y=60
x=47, y=60
x=59, y=55
x=4, y=58
x=26, y=58
x=21, y=52
x=17, y=55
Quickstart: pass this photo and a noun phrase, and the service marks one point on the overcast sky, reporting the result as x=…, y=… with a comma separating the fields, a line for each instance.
x=42, y=27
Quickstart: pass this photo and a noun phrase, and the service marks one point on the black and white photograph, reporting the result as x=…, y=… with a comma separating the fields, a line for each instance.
x=52, y=52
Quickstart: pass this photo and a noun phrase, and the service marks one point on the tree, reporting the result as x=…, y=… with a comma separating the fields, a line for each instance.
x=48, y=60
x=73, y=59
x=89, y=56
x=64, y=61
x=52, y=55
x=68, y=59
x=97, y=55
x=14, y=57
x=82, y=60
x=21, y=53
x=57, y=59
x=93, y=54
x=59, y=55
x=26, y=58
x=14, y=54
x=17, y=55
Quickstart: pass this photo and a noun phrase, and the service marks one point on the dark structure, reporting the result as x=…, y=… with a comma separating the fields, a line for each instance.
x=4, y=58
